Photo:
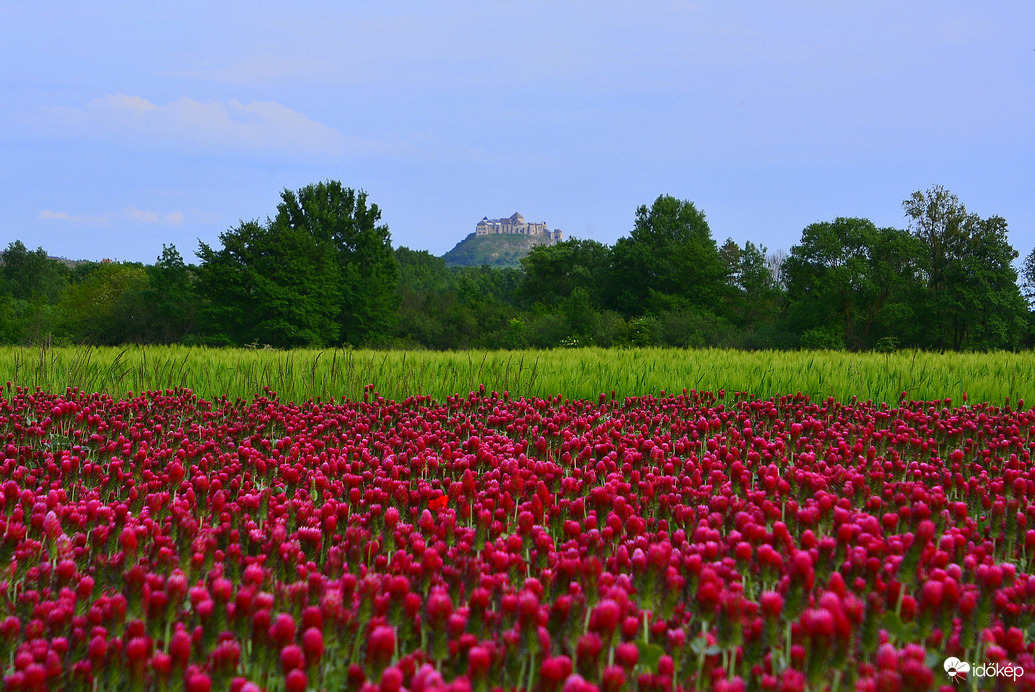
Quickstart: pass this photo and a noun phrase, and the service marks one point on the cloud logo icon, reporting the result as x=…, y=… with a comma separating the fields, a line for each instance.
x=956, y=669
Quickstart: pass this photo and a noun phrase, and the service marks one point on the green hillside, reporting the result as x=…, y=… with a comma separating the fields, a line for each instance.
x=505, y=250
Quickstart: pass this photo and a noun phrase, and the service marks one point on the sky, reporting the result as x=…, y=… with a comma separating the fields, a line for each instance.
x=126, y=126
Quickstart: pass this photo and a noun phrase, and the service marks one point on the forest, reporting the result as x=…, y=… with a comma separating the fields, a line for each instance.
x=322, y=272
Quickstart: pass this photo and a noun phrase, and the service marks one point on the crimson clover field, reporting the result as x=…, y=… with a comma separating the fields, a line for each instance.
x=691, y=541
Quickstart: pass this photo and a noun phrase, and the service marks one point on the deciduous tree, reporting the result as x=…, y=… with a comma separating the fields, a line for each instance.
x=271, y=284
x=30, y=275
x=847, y=273
x=669, y=261
x=367, y=268
x=972, y=299
x=554, y=272
x=100, y=309
x=321, y=272
x=755, y=293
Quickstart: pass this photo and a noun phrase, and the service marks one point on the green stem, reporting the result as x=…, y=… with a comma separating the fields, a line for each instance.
x=787, y=646
x=700, y=656
x=531, y=672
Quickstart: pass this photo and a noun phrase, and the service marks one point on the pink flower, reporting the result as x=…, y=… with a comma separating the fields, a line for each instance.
x=282, y=631
x=312, y=645
x=295, y=681
x=291, y=657
x=381, y=645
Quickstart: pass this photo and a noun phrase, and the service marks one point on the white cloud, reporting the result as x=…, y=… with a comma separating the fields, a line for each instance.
x=48, y=215
x=174, y=218
x=256, y=127
x=145, y=216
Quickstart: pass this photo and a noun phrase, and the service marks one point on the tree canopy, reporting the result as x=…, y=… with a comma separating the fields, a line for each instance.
x=553, y=272
x=848, y=273
x=973, y=299
x=321, y=272
x=669, y=259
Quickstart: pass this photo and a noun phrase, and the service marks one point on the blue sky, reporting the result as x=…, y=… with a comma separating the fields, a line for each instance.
x=123, y=126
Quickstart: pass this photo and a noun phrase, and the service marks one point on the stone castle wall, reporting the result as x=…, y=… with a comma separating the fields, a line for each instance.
x=516, y=224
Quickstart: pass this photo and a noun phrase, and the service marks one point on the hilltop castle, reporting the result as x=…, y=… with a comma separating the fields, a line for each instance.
x=516, y=224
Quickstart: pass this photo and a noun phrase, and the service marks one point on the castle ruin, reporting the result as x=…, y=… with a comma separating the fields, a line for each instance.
x=517, y=224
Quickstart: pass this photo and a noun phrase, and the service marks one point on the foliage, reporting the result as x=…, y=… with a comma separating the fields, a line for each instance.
x=823, y=338
x=367, y=270
x=972, y=300
x=847, y=272
x=31, y=276
x=101, y=308
x=171, y=299
x=1027, y=276
x=756, y=295
x=31, y=284
x=670, y=252
x=695, y=329
x=321, y=272
x=552, y=273
x=271, y=284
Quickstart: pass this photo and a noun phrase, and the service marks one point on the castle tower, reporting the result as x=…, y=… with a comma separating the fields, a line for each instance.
x=516, y=224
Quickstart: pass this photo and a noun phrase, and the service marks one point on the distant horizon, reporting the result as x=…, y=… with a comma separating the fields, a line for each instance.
x=124, y=127
x=191, y=258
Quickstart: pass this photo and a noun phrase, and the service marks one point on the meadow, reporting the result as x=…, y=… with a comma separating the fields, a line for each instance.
x=299, y=375
x=468, y=522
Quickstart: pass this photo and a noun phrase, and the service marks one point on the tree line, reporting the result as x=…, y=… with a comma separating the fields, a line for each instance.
x=322, y=272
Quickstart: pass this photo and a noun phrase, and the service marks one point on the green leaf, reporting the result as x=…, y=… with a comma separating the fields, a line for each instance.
x=902, y=631
x=650, y=654
x=934, y=660
x=698, y=644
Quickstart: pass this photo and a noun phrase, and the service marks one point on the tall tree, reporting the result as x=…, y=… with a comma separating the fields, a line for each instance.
x=321, y=272
x=368, y=271
x=553, y=272
x=271, y=284
x=844, y=274
x=170, y=297
x=423, y=280
x=31, y=285
x=972, y=300
x=1028, y=279
x=755, y=293
x=101, y=308
x=670, y=260
x=31, y=275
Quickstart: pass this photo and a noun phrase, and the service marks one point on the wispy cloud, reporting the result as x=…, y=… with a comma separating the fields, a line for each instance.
x=257, y=126
x=90, y=220
x=174, y=218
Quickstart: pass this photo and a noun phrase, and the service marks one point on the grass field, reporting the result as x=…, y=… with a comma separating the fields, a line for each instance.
x=585, y=373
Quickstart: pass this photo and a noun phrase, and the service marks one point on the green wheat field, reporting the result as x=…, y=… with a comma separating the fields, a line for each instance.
x=300, y=375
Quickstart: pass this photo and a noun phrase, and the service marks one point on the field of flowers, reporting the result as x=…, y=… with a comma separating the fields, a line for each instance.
x=696, y=541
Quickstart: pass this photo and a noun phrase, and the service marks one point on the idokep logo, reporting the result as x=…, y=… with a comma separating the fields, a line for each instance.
x=958, y=670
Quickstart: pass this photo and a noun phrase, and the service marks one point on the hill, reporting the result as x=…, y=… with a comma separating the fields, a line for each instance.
x=502, y=250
